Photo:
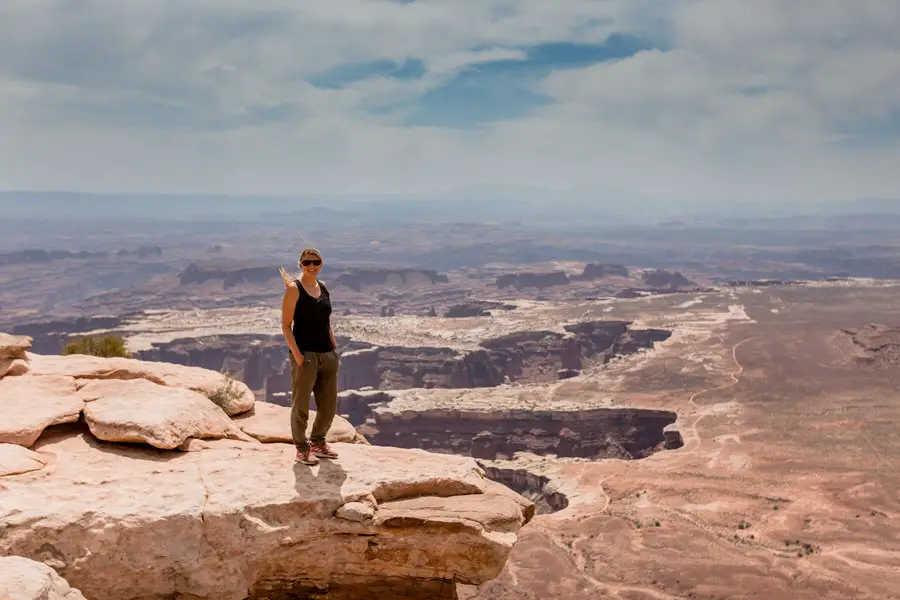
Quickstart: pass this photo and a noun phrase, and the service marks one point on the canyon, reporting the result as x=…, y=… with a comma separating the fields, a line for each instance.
x=260, y=361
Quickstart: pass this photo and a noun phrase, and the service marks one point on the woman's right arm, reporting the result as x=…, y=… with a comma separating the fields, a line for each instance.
x=288, y=304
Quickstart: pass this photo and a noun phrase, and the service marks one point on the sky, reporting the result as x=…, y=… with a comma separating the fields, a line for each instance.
x=667, y=99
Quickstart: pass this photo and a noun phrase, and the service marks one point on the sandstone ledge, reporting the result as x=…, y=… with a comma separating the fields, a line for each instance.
x=232, y=519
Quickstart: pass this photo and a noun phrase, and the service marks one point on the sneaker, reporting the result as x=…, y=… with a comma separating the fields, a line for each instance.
x=306, y=457
x=324, y=451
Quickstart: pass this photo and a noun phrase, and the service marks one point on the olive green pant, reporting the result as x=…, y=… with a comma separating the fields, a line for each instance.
x=318, y=374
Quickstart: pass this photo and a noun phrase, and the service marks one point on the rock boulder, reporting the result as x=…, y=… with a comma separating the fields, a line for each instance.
x=24, y=579
x=233, y=396
x=137, y=410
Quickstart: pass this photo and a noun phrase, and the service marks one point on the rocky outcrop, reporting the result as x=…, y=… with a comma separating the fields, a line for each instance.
x=25, y=579
x=234, y=397
x=537, y=488
x=228, y=519
x=39, y=255
x=876, y=345
x=594, y=271
x=231, y=520
x=231, y=273
x=521, y=281
x=531, y=356
x=13, y=354
x=624, y=433
x=664, y=279
x=475, y=308
x=357, y=279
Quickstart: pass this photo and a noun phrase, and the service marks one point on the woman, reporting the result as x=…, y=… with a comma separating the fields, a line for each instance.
x=306, y=325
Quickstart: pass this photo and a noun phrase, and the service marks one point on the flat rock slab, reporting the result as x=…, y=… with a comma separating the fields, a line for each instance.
x=29, y=404
x=14, y=346
x=15, y=460
x=25, y=579
x=140, y=411
x=128, y=522
x=270, y=423
x=233, y=396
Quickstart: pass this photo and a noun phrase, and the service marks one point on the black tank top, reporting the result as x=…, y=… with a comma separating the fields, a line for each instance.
x=312, y=321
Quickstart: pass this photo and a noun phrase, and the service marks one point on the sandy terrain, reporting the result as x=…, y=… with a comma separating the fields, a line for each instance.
x=786, y=486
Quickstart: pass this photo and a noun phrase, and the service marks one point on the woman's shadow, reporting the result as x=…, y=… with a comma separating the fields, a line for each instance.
x=323, y=482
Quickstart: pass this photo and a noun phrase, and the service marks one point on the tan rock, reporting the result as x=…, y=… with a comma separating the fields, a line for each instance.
x=137, y=410
x=29, y=404
x=272, y=423
x=14, y=346
x=128, y=522
x=25, y=579
x=15, y=460
x=233, y=396
x=13, y=366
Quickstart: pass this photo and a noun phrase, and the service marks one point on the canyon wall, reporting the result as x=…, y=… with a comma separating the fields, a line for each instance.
x=530, y=356
x=624, y=433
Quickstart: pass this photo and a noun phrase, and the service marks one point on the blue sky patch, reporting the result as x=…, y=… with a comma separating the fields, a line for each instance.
x=503, y=89
x=343, y=75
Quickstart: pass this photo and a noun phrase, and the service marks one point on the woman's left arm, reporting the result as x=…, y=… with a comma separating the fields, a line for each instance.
x=331, y=333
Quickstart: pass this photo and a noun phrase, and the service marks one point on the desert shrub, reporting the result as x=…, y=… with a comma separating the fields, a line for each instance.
x=107, y=346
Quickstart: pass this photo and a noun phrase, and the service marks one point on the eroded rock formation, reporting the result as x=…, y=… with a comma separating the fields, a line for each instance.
x=475, y=308
x=876, y=345
x=537, y=488
x=664, y=279
x=357, y=279
x=521, y=281
x=231, y=273
x=600, y=270
x=530, y=356
x=625, y=433
x=224, y=519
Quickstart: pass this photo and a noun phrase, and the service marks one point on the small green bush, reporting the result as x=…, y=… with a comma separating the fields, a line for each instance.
x=108, y=347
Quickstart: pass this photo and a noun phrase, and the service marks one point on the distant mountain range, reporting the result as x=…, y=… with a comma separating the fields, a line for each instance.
x=478, y=203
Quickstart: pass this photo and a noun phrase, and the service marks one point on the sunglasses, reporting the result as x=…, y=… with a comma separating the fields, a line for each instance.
x=315, y=262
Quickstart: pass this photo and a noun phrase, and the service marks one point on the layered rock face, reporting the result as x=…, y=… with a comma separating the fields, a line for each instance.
x=205, y=501
x=536, y=488
x=625, y=433
x=532, y=356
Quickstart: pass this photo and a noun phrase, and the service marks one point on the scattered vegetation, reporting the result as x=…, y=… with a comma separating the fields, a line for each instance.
x=108, y=347
x=226, y=393
x=743, y=525
x=803, y=548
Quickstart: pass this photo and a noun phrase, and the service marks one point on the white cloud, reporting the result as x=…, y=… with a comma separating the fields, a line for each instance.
x=748, y=98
